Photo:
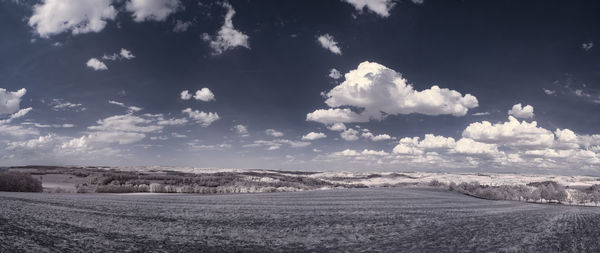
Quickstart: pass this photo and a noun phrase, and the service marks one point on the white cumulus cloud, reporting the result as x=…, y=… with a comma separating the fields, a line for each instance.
x=471, y=147
x=328, y=42
x=380, y=137
x=349, y=134
x=335, y=74
x=335, y=115
x=380, y=7
x=152, y=10
x=519, y=111
x=78, y=16
x=227, y=37
x=96, y=64
x=365, y=152
x=126, y=54
x=123, y=54
x=204, y=94
x=205, y=119
x=10, y=100
x=505, y=146
x=185, y=95
x=510, y=133
x=381, y=91
x=313, y=136
x=338, y=127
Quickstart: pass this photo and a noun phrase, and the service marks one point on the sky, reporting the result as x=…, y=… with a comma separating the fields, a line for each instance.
x=361, y=85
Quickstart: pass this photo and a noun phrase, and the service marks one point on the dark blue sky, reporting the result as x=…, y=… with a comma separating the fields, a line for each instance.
x=267, y=71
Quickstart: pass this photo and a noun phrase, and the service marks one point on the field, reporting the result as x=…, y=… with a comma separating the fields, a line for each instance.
x=354, y=220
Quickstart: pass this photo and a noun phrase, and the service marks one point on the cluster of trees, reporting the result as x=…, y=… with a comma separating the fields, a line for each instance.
x=208, y=183
x=19, y=182
x=548, y=191
x=107, y=180
x=161, y=188
x=586, y=195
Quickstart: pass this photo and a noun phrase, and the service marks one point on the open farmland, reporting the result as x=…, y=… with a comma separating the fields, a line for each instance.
x=374, y=219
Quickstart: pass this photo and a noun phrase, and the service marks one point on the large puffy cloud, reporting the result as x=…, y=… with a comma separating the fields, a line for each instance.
x=471, y=147
x=78, y=16
x=313, y=136
x=205, y=119
x=511, y=133
x=432, y=141
x=227, y=37
x=10, y=100
x=589, y=140
x=380, y=91
x=380, y=7
x=204, y=94
x=506, y=146
x=567, y=139
x=328, y=42
x=152, y=10
x=519, y=111
x=337, y=115
x=408, y=146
